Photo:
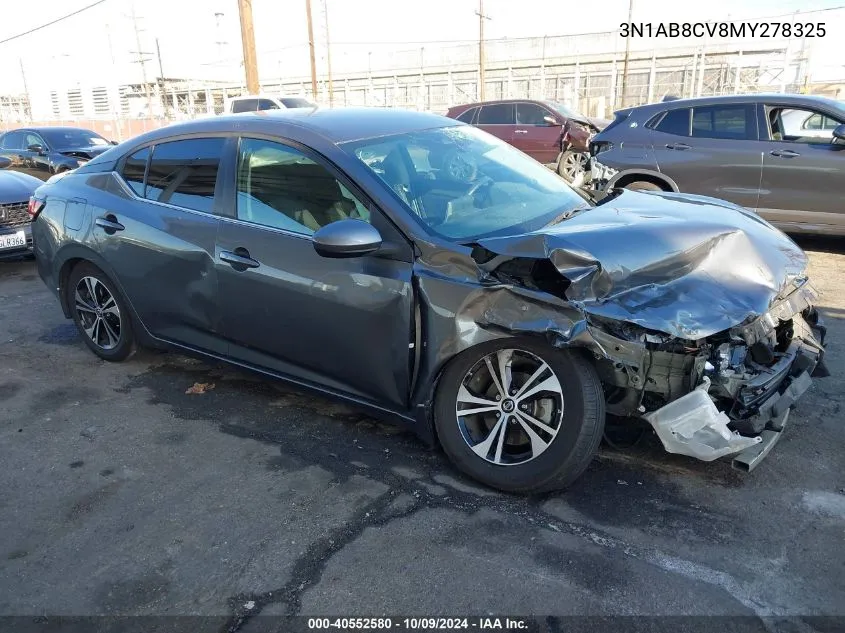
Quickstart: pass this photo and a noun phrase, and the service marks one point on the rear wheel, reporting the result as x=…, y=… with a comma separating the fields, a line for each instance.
x=100, y=313
x=520, y=416
x=643, y=185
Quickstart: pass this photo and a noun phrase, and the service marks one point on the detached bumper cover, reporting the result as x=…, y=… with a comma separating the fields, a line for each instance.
x=693, y=425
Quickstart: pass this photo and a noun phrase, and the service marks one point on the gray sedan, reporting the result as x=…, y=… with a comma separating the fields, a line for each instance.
x=438, y=277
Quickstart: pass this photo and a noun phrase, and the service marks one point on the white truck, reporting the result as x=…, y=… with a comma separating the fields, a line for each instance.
x=254, y=103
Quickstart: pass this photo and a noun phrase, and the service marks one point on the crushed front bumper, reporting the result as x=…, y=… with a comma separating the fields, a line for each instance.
x=597, y=175
x=694, y=425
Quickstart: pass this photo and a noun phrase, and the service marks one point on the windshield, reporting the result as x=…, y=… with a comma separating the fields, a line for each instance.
x=569, y=113
x=65, y=139
x=295, y=102
x=464, y=184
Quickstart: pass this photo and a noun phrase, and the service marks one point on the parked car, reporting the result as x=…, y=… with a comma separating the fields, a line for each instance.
x=547, y=131
x=45, y=151
x=254, y=103
x=15, y=191
x=780, y=155
x=434, y=275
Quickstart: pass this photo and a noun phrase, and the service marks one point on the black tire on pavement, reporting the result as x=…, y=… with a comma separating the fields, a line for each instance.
x=100, y=312
x=580, y=418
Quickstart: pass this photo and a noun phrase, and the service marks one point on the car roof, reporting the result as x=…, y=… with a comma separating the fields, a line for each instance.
x=782, y=98
x=337, y=125
x=495, y=101
x=51, y=128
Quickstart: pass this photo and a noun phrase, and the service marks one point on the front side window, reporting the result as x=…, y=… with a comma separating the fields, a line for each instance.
x=531, y=114
x=135, y=169
x=799, y=125
x=282, y=188
x=184, y=173
x=296, y=102
x=735, y=122
x=676, y=122
x=497, y=114
x=32, y=139
x=464, y=184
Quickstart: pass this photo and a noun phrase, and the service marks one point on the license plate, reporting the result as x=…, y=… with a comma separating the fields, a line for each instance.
x=13, y=240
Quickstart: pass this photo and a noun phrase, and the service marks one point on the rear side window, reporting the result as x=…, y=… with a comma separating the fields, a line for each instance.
x=735, y=122
x=135, y=169
x=675, y=122
x=184, y=173
x=12, y=140
x=468, y=115
x=497, y=114
x=245, y=105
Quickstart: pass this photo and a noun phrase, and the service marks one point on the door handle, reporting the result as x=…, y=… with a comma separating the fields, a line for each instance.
x=520, y=131
x=109, y=224
x=239, y=259
x=678, y=146
x=784, y=153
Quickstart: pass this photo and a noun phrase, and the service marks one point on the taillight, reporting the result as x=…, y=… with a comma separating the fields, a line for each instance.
x=35, y=207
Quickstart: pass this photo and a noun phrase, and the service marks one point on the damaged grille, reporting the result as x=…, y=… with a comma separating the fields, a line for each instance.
x=13, y=215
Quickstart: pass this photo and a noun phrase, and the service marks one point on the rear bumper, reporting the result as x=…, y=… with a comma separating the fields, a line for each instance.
x=17, y=253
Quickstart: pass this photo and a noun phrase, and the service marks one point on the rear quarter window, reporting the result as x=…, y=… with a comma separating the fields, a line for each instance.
x=676, y=122
x=468, y=116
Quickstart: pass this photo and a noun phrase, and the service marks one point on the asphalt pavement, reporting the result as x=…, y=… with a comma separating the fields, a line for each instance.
x=121, y=493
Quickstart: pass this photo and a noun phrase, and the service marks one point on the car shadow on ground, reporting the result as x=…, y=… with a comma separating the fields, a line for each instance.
x=820, y=243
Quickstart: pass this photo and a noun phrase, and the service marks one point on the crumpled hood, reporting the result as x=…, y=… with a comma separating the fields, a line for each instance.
x=688, y=266
x=17, y=187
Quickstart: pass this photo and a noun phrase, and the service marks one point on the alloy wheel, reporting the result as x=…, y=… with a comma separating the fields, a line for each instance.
x=574, y=164
x=509, y=407
x=98, y=312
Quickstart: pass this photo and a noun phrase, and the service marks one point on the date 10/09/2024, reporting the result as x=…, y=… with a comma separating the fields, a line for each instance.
x=418, y=624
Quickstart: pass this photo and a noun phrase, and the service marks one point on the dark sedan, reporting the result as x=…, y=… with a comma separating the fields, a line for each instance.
x=45, y=151
x=435, y=275
x=15, y=192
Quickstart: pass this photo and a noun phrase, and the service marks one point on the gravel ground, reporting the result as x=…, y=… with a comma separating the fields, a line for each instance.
x=124, y=495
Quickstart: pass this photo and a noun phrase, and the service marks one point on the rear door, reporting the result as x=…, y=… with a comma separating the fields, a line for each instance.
x=711, y=150
x=534, y=135
x=160, y=241
x=498, y=119
x=803, y=173
x=340, y=323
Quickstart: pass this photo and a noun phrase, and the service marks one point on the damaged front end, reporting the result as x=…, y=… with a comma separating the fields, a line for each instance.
x=727, y=394
x=699, y=316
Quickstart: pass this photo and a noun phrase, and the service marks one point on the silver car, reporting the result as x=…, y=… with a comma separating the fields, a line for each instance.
x=780, y=155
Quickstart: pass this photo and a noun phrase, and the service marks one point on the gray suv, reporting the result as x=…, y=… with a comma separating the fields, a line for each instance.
x=780, y=155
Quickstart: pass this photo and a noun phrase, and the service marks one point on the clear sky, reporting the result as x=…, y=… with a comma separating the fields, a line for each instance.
x=81, y=48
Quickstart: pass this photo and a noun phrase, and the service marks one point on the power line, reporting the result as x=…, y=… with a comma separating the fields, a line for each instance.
x=57, y=20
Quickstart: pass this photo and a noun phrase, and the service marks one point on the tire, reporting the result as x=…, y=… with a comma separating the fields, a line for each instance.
x=115, y=340
x=642, y=185
x=573, y=407
x=572, y=165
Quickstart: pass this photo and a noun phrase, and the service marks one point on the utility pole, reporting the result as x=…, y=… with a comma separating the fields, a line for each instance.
x=627, y=54
x=328, y=53
x=142, y=60
x=161, y=79
x=311, y=49
x=27, y=110
x=481, y=18
x=248, y=39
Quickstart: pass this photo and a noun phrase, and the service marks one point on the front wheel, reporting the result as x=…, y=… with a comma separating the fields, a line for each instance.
x=520, y=416
x=572, y=166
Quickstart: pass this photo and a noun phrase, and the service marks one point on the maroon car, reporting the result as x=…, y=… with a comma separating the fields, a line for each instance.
x=547, y=131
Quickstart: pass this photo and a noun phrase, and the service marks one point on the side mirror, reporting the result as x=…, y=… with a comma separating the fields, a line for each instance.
x=839, y=132
x=5, y=163
x=550, y=120
x=35, y=147
x=113, y=142
x=346, y=238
